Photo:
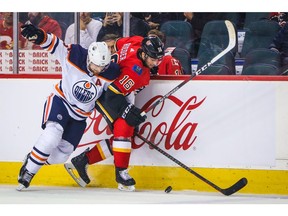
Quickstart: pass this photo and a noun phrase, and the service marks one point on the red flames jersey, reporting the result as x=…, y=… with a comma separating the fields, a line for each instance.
x=134, y=74
x=134, y=40
x=169, y=66
x=6, y=37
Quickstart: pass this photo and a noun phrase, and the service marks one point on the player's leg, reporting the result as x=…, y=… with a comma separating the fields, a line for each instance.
x=61, y=153
x=122, y=150
x=73, y=134
x=99, y=152
x=55, y=118
x=48, y=140
x=121, y=143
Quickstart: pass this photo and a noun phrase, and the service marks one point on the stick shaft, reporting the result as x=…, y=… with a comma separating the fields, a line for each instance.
x=228, y=191
x=231, y=45
x=178, y=162
x=243, y=181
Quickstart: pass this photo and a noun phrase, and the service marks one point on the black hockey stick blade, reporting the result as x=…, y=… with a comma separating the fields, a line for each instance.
x=228, y=191
x=234, y=188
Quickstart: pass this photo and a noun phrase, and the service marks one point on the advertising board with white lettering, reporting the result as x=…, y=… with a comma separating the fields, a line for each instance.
x=30, y=61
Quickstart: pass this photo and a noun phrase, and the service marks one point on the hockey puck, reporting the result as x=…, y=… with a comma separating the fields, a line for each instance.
x=168, y=189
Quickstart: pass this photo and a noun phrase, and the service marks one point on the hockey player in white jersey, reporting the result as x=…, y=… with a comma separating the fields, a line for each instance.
x=85, y=75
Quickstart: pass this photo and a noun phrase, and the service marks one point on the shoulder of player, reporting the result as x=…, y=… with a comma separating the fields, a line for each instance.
x=168, y=58
x=132, y=40
x=112, y=72
x=77, y=51
x=77, y=56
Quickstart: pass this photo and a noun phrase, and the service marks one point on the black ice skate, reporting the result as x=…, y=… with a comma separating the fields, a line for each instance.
x=124, y=180
x=80, y=163
x=24, y=177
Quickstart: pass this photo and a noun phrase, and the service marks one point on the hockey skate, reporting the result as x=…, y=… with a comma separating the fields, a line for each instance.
x=25, y=177
x=124, y=180
x=80, y=164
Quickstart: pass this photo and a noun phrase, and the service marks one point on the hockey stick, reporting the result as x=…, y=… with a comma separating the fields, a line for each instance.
x=231, y=45
x=243, y=181
x=227, y=191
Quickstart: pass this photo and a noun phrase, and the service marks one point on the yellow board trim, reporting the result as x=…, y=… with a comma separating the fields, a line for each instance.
x=158, y=178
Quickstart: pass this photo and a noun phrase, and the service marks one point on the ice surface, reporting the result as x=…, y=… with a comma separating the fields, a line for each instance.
x=113, y=201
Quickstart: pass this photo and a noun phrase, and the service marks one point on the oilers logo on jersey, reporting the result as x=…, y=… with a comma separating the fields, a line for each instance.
x=84, y=91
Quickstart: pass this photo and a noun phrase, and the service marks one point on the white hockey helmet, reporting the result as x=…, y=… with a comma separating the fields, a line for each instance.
x=99, y=54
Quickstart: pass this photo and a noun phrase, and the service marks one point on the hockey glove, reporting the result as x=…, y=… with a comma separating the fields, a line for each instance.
x=33, y=34
x=154, y=70
x=132, y=115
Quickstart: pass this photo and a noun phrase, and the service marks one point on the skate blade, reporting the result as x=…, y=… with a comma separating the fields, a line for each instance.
x=69, y=167
x=20, y=187
x=122, y=187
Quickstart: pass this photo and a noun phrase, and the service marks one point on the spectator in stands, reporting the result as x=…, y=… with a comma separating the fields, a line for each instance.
x=279, y=17
x=110, y=40
x=198, y=21
x=280, y=44
x=156, y=19
x=89, y=29
x=113, y=24
x=168, y=65
x=6, y=32
x=43, y=21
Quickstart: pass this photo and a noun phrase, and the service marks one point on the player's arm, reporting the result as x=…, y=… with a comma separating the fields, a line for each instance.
x=33, y=34
x=125, y=110
x=47, y=41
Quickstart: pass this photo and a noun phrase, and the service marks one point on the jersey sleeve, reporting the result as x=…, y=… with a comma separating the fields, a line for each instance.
x=56, y=47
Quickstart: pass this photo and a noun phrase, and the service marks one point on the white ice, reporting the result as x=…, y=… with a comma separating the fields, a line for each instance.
x=113, y=201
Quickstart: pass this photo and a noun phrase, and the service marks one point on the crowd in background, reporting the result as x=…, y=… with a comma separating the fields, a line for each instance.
x=94, y=26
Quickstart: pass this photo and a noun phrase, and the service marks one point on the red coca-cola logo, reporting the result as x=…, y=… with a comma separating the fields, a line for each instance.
x=179, y=133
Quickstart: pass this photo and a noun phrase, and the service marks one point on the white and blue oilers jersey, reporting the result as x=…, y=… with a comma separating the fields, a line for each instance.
x=79, y=89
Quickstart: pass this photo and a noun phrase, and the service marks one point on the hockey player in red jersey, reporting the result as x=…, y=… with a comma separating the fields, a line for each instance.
x=86, y=74
x=168, y=65
x=135, y=60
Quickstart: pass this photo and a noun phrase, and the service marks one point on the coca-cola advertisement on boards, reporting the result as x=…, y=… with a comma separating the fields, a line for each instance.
x=193, y=125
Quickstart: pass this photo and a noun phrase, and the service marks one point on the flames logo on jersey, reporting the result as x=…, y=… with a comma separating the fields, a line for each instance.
x=84, y=91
